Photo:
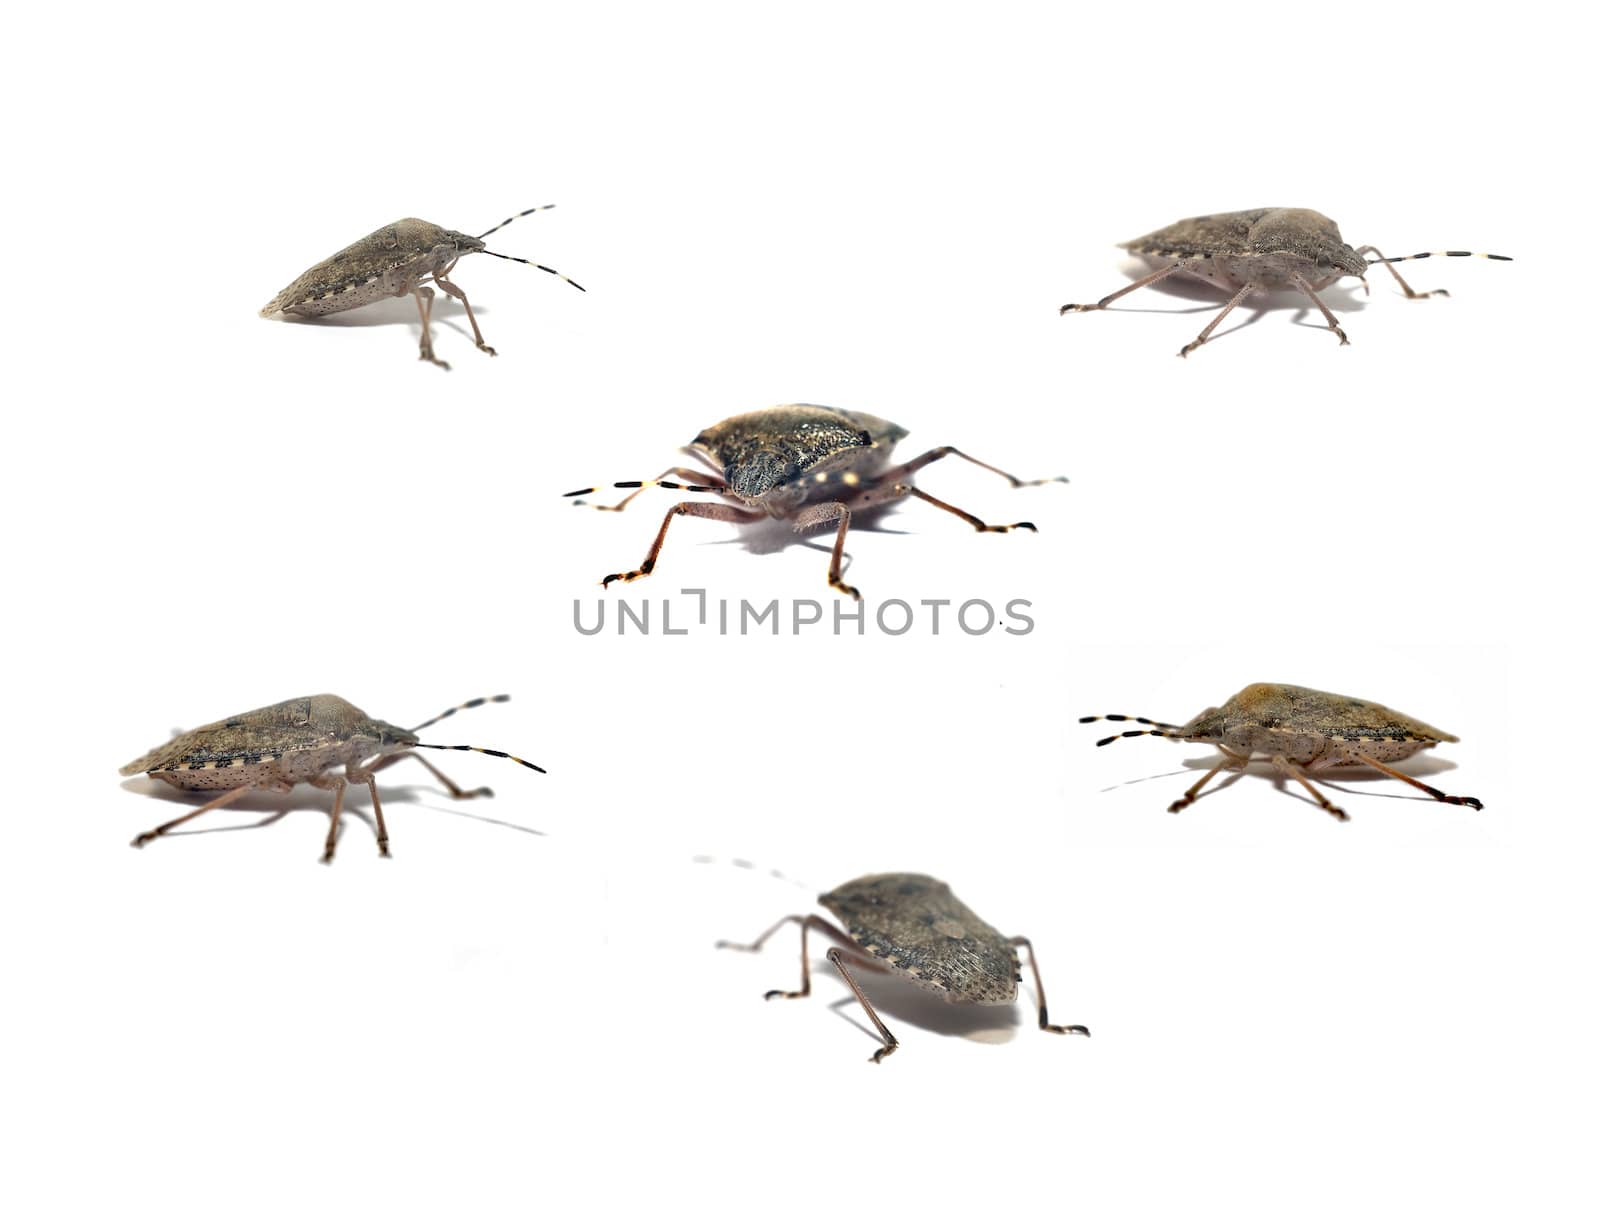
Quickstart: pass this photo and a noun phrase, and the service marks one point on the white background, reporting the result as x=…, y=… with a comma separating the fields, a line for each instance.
x=523, y=1013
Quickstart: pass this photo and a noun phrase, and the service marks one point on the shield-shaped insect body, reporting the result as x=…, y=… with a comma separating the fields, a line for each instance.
x=406, y=257
x=1300, y=731
x=809, y=465
x=306, y=739
x=914, y=927
x=1258, y=250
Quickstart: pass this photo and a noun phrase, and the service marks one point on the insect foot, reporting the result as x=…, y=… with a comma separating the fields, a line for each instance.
x=406, y=257
x=811, y=466
x=1259, y=250
x=306, y=740
x=914, y=927
x=1300, y=731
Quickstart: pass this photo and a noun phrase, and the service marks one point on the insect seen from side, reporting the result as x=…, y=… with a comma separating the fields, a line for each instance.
x=1263, y=249
x=303, y=740
x=1300, y=731
x=913, y=926
x=810, y=465
x=405, y=257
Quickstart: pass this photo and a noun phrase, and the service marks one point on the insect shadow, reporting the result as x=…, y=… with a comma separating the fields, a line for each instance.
x=911, y=1004
x=392, y=312
x=276, y=807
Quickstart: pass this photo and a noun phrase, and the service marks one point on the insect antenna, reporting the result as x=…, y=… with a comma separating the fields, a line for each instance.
x=494, y=752
x=540, y=266
x=1450, y=254
x=456, y=709
x=526, y=212
x=650, y=484
x=1163, y=729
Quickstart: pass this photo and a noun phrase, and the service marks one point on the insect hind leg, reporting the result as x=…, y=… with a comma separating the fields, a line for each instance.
x=162, y=830
x=1374, y=763
x=1160, y=274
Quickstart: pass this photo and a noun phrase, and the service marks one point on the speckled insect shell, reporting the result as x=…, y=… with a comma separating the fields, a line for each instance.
x=388, y=262
x=1307, y=725
x=272, y=747
x=918, y=929
x=772, y=457
x=1261, y=246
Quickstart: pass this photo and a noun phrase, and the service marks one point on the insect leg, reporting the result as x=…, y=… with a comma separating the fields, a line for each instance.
x=1305, y=287
x=806, y=922
x=1290, y=769
x=1394, y=272
x=1463, y=800
x=710, y=510
x=1158, y=275
x=454, y=291
x=336, y=785
x=482, y=792
x=1022, y=941
x=1230, y=760
x=700, y=482
x=221, y=800
x=976, y=522
x=1211, y=326
x=377, y=817
x=895, y=475
x=890, y=1042
x=827, y=512
x=424, y=298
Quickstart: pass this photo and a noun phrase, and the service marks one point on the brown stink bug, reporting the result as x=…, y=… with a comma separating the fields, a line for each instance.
x=391, y=262
x=303, y=740
x=1299, y=730
x=801, y=462
x=913, y=926
x=1262, y=249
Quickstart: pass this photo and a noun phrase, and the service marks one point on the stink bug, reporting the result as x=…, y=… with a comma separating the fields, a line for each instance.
x=1262, y=249
x=302, y=740
x=391, y=262
x=801, y=462
x=1297, y=727
x=913, y=926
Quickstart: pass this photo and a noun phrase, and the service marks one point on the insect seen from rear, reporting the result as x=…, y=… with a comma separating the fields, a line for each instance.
x=303, y=740
x=1262, y=249
x=810, y=465
x=406, y=257
x=1300, y=730
x=913, y=926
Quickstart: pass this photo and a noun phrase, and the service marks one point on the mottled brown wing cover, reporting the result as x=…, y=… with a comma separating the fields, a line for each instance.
x=274, y=730
x=1330, y=714
x=1213, y=234
x=382, y=251
x=777, y=445
x=916, y=924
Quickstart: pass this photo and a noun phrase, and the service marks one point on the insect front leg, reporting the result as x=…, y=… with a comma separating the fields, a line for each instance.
x=424, y=297
x=1305, y=288
x=1395, y=272
x=1153, y=278
x=806, y=922
x=456, y=792
x=1230, y=760
x=897, y=475
x=454, y=291
x=710, y=510
x=221, y=800
x=1022, y=941
x=1374, y=763
x=828, y=512
x=1289, y=769
x=1212, y=326
x=699, y=482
